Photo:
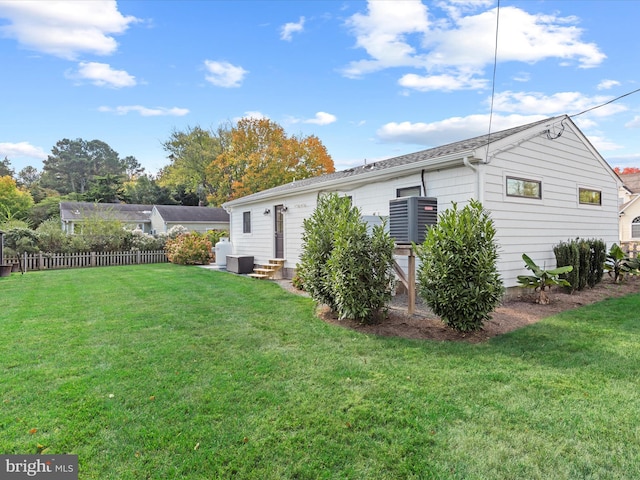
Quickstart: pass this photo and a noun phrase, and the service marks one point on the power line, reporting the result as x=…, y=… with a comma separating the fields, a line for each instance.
x=606, y=103
x=493, y=81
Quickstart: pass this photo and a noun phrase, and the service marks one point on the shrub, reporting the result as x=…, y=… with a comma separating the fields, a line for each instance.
x=139, y=240
x=51, y=238
x=20, y=240
x=618, y=264
x=342, y=265
x=189, y=249
x=568, y=254
x=318, y=241
x=214, y=236
x=176, y=231
x=458, y=276
x=587, y=258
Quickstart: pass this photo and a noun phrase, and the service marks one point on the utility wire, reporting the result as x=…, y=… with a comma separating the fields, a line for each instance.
x=493, y=81
x=606, y=103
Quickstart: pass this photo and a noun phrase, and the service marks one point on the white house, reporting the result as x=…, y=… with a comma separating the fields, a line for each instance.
x=148, y=218
x=542, y=183
x=194, y=219
x=630, y=208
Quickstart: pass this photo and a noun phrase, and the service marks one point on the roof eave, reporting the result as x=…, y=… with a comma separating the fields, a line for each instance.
x=429, y=164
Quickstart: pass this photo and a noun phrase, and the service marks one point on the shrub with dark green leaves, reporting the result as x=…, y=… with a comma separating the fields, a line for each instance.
x=20, y=240
x=458, y=275
x=189, y=249
x=587, y=257
x=342, y=265
x=51, y=238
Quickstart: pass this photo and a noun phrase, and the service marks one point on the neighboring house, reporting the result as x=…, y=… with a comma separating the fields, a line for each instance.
x=630, y=208
x=148, y=218
x=134, y=216
x=543, y=183
x=194, y=219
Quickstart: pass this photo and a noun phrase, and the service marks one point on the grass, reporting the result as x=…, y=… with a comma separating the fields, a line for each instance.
x=164, y=371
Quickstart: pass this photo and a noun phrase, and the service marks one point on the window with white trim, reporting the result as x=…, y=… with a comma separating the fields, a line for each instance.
x=408, y=192
x=635, y=228
x=246, y=222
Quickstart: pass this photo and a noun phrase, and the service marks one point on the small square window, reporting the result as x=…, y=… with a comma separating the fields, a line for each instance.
x=521, y=187
x=408, y=192
x=246, y=222
x=590, y=197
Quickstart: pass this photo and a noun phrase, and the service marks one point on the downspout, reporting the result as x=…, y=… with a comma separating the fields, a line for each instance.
x=478, y=174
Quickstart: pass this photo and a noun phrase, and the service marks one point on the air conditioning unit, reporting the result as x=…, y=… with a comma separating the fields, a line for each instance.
x=409, y=218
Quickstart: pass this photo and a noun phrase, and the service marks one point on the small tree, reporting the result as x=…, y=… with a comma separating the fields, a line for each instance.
x=618, y=264
x=458, y=275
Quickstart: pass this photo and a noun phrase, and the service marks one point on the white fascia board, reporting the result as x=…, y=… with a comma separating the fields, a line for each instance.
x=371, y=176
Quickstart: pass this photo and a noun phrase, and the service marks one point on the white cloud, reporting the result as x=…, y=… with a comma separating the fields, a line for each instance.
x=102, y=75
x=557, y=103
x=322, y=118
x=288, y=29
x=224, y=74
x=635, y=123
x=21, y=149
x=455, y=49
x=449, y=130
x=445, y=82
x=607, y=84
x=145, y=111
x=63, y=28
x=255, y=115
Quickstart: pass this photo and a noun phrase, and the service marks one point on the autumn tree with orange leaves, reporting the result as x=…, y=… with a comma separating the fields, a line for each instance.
x=259, y=155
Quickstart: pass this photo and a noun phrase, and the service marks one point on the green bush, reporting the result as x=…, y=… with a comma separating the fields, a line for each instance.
x=318, y=242
x=342, y=265
x=568, y=254
x=214, y=236
x=587, y=258
x=51, y=238
x=20, y=240
x=189, y=249
x=458, y=276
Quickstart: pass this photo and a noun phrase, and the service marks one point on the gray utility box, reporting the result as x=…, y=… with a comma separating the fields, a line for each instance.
x=240, y=263
x=409, y=218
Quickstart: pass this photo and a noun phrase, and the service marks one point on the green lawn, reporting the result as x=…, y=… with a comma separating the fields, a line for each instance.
x=165, y=371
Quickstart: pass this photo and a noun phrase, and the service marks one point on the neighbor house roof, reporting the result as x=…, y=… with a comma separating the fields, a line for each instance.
x=129, y=213
x=179, y=213
x=438, y=156
x=631, y=181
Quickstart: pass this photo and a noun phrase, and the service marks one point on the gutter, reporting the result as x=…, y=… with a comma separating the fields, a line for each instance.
x=371, y=176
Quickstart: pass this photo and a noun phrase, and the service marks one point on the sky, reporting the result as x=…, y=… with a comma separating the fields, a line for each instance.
x=372, y=80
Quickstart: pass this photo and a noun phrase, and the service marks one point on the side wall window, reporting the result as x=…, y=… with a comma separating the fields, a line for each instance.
x=521, y=187
x=246, y=222
x=408, y=192
x=588, y=196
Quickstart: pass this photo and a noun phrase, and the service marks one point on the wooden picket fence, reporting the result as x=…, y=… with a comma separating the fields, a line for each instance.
x=631, y=248
x=51, y=261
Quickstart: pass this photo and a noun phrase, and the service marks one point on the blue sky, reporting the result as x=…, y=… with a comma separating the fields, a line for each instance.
x=371, y=80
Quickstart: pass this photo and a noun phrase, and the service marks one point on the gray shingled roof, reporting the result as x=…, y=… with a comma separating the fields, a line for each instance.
x=432, y=153
x=178, y=213
x=130, y=213
x=631, y=181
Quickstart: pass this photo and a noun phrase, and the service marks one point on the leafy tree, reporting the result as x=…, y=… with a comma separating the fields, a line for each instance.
x=190, y=153
x=626, y=170
x=145, y=190
x=74, y=163
x=5, y=168
x=48, y=207
x=458, y=272
x=15, y=202
x=105, y=189
x=260, y=156
x=28, y=176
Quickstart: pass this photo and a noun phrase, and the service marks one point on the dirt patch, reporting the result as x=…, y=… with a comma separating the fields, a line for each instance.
x=515, y=312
